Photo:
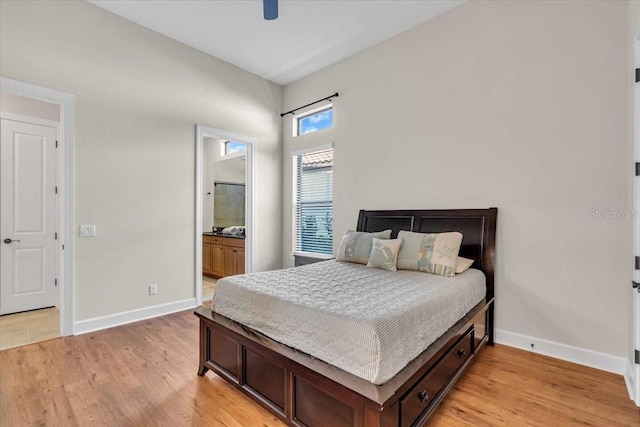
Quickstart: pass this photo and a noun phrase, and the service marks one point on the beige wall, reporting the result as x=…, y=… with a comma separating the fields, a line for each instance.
x=10, y=103
x=138, y=97
x=519, y=105
x=211, y=151
x=232, y=169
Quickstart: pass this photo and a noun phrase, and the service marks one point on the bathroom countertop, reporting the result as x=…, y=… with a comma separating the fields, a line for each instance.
x=233, y=236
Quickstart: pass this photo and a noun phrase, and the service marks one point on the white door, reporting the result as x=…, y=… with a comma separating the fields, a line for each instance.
x=27, y=217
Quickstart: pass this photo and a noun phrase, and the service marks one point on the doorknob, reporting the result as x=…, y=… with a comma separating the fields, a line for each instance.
x=7, y=241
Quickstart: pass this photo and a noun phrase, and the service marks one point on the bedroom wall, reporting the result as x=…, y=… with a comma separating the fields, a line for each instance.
x=519, y=105
x=138, y=98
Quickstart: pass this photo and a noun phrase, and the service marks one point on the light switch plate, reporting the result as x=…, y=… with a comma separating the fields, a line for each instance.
x=87, y=230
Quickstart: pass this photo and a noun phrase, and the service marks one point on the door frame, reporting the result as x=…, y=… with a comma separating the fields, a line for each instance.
x=634, y=371
x=203, y=132
x=64, y=177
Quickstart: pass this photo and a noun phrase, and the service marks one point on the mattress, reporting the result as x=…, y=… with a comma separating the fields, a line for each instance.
x=366, y=321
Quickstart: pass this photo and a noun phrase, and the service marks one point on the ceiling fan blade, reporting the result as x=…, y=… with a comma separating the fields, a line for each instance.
x=270, y=9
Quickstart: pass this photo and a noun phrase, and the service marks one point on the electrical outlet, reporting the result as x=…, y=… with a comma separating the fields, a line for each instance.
x=87, y=230
x=153, y=289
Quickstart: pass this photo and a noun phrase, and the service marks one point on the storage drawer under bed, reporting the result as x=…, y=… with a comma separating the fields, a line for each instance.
x=422, y=394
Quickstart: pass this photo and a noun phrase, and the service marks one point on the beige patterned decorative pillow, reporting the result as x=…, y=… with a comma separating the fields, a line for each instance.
x=463, y=264
x=355, y=246
x=384, y=254
x=434, y=253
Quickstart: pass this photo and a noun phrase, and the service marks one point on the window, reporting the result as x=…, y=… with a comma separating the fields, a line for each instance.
x=230, y=147
x=313, y=121
x=313, y=201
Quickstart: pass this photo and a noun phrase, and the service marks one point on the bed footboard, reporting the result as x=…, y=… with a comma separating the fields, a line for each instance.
x=300, y=396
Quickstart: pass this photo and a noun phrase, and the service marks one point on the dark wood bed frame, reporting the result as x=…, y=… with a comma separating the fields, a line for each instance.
x=303, y=391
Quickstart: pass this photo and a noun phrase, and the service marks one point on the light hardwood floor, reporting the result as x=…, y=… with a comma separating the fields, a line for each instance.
x=145, y=374
x=208, y=288
x=29, y=327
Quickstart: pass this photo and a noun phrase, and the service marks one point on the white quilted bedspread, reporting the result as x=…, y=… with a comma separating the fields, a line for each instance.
x=366, y=321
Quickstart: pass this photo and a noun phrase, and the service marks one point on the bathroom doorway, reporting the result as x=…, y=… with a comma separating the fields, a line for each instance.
x=224, y=207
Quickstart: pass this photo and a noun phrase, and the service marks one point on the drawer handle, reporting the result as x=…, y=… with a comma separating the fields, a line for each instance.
x=423, y=396
x=462, y=354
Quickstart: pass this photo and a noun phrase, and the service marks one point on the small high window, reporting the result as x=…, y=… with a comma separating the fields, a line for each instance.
x=230, y=147
x=313, y=121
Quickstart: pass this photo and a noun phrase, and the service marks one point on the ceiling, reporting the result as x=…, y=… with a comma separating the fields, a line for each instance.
x=307, y=36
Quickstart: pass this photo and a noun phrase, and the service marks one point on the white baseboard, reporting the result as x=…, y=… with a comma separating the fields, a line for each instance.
x=628, y=380
x=117, y=319
x=581, y=356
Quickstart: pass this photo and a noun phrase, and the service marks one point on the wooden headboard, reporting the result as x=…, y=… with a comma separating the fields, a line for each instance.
x=478, y=228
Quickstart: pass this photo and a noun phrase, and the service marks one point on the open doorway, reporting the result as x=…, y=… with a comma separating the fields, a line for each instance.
x=224, y=215
x=36, y=218
x=29, y=301
x=224, y=207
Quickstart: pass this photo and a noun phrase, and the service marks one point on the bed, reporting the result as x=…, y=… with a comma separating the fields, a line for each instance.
x=318, y=391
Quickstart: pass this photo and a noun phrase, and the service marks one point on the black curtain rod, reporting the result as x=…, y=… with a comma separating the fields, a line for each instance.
x=335, y=95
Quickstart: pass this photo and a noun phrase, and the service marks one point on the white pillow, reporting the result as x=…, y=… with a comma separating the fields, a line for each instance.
x=463, y=264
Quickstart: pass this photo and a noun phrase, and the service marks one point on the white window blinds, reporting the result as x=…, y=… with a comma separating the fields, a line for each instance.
x=313, y=202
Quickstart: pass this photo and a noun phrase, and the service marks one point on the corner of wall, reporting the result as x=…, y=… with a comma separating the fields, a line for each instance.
x=581, y=356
